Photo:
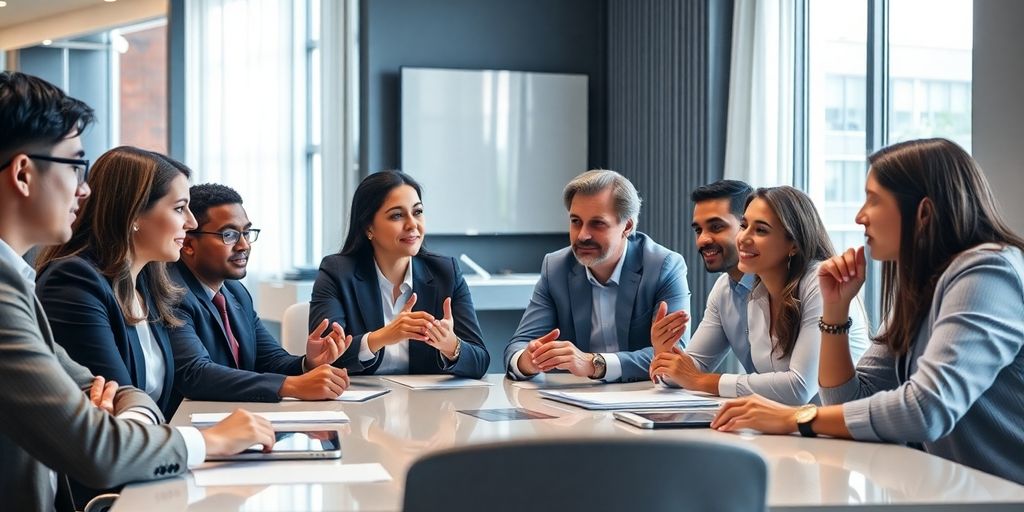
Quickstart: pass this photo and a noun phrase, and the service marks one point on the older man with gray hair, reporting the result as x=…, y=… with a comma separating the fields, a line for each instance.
x=592, y=312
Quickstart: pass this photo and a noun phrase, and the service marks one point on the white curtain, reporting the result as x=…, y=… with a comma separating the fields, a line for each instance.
x=759, y=133
x=243, y=124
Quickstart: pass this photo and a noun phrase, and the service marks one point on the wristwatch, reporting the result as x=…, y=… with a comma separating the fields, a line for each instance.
x=600, y=367
x=804, y=416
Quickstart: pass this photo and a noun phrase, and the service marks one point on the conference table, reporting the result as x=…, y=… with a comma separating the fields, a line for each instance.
x=405, y=424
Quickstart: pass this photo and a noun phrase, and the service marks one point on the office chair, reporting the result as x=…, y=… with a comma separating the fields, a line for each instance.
x=589, y=474
x=295, y=328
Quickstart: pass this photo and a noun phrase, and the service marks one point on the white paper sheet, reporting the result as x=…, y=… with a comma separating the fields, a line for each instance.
x=435, y=381
x=355, y=395
x=288, y=472
x=209, y=418
x=557, y=381
x=651, y=398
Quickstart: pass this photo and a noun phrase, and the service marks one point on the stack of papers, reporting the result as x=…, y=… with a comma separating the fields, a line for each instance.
x=435, y=381
x=209, y=418
x=653, y=398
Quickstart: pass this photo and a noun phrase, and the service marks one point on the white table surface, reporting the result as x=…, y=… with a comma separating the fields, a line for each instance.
x=399, y=427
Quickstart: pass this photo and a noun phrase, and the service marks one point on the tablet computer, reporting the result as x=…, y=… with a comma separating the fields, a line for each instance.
x=291, y=445
x=668, y=419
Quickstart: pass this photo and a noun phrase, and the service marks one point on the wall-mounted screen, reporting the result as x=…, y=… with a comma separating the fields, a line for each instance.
x=493, y=149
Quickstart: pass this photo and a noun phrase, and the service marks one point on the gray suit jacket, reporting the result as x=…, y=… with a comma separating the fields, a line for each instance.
x=47, y=421
x=563, y=299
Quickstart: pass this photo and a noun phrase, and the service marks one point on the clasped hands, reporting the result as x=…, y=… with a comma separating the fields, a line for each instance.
x=419, y=326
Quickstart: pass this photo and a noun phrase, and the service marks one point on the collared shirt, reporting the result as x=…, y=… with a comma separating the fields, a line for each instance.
x=792, y=379
x=15, y=260
x=154, y=357
x=724, y=325
x=603, y=333
x=396, y=355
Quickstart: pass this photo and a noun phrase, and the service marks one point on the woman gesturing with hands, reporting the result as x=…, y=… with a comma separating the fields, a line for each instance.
x=947, y=365
x=410, y=311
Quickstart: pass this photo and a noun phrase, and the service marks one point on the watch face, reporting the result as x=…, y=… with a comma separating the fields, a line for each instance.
x=806, y=413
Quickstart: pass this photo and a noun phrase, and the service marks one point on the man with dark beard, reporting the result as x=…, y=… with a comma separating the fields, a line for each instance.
x=717, y=213
x=592, y=310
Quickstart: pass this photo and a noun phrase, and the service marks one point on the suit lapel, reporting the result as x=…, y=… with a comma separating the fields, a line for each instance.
x=44, y=323
x=368, y=295
x=421, y=355
x=203, y=297
x=629, y=285
x=581, y=302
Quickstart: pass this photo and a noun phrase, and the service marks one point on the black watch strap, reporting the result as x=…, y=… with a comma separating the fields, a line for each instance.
x=806, y=430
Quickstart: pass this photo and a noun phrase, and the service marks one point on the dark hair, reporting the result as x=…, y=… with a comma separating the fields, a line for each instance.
x=803, y=226
x=210, y=195
x=737, y=192
x=126, y=182
x=963, y=214
x=369, y=196
x=35, y=114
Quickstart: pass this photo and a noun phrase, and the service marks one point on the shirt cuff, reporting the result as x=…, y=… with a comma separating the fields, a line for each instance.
x=513, y=366
x=613, y=368
x=139, y=415
x=728, y=384
x=857, y=416
x=365, y=355
x=195, y=446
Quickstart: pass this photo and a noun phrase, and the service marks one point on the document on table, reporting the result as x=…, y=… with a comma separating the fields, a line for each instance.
x=209, y=418
x=285, y=472
x=557, y=381
x=435, y=381
x=651, y=398
x=355, y=395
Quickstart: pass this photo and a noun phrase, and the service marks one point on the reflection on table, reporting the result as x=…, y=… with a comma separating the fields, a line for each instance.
x=403, y=425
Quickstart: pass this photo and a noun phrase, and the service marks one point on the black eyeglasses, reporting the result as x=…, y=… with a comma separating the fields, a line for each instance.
x=231, y=236
x=80, y=166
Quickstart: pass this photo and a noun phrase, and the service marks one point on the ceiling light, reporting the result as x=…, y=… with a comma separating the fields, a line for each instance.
x=109, y=1
x=3, y=4
x=47, y=42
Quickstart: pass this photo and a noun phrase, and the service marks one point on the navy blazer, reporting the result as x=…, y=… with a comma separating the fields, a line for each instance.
x=563, y=298
x=347, y=291
x=204, y=366
x=87, y=321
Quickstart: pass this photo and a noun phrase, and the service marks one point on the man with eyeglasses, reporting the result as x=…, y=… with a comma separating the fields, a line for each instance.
x=56, y=419
x=223, y=351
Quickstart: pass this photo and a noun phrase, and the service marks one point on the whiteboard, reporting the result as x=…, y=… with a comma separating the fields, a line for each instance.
x=493, y=149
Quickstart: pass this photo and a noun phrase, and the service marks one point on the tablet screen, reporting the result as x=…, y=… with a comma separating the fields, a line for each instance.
x=292, y=445
x=687, y=419
x=306, y=441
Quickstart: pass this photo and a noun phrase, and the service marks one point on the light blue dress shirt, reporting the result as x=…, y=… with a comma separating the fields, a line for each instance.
x=603, y=337
x=738, y=318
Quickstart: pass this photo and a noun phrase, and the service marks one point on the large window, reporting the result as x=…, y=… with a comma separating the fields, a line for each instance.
x=917, y=85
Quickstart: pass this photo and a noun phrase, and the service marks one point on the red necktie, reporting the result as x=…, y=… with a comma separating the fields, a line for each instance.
x=221, y=303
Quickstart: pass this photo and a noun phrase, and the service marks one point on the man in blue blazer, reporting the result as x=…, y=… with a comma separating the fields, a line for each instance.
x=592, y=312
x=223, y=351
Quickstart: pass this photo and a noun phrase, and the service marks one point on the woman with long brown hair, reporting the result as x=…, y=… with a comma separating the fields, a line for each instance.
x=106, y=291
x=781, y=243
x=947, y=368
